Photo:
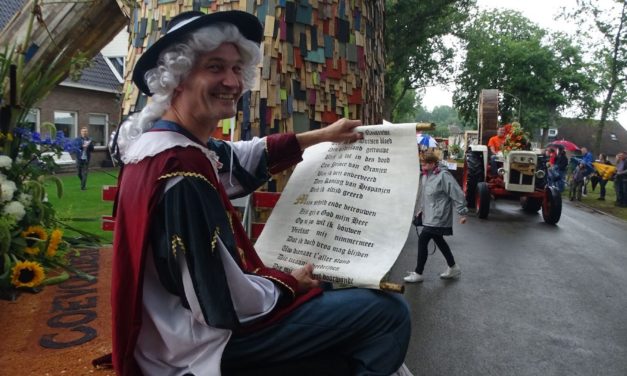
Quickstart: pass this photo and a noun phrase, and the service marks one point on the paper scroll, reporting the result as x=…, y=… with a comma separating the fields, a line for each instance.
x=347, y=208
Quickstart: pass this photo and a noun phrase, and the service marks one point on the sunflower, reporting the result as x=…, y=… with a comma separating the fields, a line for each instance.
x=27, y=274
x=53, y=244
x=33, y=235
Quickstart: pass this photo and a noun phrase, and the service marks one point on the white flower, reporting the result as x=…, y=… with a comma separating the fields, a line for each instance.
x=5, y=161
x=8, y=188
x=15, y=209
x=25, y=199
x=3, y=177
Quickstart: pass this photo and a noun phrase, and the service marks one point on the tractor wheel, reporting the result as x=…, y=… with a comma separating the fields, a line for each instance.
x=530, y=204
x=482, y=200
x=473, y=174
x=551, y=205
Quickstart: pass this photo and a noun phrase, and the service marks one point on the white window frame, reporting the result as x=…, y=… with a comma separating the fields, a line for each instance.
x=37, y=112
x=106, y=127
x=74, y=129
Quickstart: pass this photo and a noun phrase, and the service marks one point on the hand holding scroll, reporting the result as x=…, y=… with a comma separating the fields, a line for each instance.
x=342, y=130
x=305, y=279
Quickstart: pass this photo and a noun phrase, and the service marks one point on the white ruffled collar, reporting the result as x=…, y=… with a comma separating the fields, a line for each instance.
x=150, y=144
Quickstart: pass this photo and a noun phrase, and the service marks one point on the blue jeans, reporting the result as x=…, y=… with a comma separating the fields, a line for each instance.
x=371, y=328
x=557, y=178
x=83, y=169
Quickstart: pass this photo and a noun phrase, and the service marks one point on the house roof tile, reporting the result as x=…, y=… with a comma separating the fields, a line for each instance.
x=98, y=75
x=7, y=9
x=583, y=133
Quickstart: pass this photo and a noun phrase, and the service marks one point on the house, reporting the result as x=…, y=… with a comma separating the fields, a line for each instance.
x=92, y=101
x=583, y=132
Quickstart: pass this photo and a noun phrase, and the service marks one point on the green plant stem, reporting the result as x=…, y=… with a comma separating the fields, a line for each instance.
x=75, y=271
x=56, y=279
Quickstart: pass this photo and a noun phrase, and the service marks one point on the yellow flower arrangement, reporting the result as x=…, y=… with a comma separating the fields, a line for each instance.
x=33, y=250
x=55, y=239
x=27, y=274
x=34, y=235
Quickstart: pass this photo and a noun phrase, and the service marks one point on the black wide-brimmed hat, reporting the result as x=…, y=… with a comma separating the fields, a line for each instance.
x=183, y=24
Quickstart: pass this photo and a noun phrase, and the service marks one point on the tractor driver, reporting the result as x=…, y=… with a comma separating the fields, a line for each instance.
x=495, y=143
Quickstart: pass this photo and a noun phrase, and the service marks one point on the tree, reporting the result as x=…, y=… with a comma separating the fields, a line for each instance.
x=610, y=54
x=538, y=74
x=408, y=105
x=416, y=53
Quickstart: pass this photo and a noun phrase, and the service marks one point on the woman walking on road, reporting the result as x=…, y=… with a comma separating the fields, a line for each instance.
x=438, y=193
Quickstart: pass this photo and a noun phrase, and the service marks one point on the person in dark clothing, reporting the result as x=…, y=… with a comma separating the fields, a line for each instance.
x=601, y=181
x=620, y=181
x=85, y=146
x=576, y=188
x=557, y=172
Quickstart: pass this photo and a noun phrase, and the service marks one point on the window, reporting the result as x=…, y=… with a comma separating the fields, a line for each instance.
x=31, y=121
x=65, y=121
x=97, y=128
x=118, y=64
x=613, y=137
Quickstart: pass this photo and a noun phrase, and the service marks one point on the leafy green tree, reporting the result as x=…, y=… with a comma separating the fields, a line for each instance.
x=416, y=53
x=408, y=105
x=538, y=74
x=442, y=117
x=607, y=39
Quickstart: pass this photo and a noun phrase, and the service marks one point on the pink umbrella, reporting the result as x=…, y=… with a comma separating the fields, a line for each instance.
x=570, y=146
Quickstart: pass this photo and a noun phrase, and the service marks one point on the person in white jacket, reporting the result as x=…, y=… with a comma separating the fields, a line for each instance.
x=438, y=194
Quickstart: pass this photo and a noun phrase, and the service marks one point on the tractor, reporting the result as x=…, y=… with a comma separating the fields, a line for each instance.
x=520, y=174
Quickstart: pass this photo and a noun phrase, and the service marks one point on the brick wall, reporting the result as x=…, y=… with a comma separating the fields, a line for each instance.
x=83, y=102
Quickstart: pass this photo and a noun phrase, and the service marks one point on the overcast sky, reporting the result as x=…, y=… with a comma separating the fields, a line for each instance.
x=542, y=12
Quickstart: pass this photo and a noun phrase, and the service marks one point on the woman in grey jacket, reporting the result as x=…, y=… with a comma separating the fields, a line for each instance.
x=437, y=194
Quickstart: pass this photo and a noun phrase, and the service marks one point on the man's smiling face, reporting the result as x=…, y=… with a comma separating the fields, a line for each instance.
x=214, y=85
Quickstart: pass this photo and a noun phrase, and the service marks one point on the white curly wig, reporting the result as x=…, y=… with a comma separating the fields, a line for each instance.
x=174, y=65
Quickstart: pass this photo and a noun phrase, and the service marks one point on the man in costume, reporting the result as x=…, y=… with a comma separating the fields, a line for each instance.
x=189, y=293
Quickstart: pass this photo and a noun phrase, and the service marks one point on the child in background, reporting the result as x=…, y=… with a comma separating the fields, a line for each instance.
x=576, y=188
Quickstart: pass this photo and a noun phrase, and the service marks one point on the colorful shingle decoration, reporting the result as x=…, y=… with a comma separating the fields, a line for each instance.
x=323, y=59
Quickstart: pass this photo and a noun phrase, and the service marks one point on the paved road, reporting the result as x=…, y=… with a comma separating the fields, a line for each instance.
x=533, y=299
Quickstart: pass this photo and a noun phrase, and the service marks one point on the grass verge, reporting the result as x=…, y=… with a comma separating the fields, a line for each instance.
x=83, y=209
x=592, y=200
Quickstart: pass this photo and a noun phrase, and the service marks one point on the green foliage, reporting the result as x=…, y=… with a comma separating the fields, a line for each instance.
x=33, y=250
x=34, y=83
x=442, y=117
x=83, y=209
x=416, y=52
x=540, y=74
x=603, y=32
x=408, y=105
x=456, y=151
